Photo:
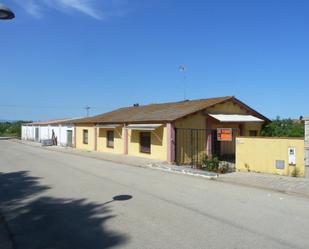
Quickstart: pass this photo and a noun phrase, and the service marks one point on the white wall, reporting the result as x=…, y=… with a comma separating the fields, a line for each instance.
x=45, y=132
x=63, y=135
x=27, y=132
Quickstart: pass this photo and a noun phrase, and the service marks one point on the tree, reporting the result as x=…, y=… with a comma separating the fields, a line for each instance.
x=11, y=129
x=283, y=128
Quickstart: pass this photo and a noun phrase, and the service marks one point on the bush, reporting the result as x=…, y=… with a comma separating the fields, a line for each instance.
x=295, y=172
x=210, y=164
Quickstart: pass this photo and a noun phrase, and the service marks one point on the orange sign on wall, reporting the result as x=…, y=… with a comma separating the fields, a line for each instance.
x=224, y=134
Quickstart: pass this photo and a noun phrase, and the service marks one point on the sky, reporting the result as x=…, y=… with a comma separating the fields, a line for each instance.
x=59, y=56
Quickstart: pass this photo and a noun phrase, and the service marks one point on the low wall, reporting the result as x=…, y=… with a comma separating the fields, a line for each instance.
x=269, y=155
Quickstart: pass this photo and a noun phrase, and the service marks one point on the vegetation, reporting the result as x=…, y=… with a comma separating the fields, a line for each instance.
x=284, y=128
x=295, y=172
x=210, y=164
x=11, y=129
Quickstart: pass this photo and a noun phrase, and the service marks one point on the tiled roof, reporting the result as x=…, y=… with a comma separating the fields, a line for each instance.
x=166, y=112
x=51, y=122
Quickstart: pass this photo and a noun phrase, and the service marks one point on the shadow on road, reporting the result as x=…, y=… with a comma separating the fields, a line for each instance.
x=47, y=222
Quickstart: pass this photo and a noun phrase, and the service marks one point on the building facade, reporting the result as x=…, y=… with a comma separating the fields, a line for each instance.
x=181, y=132
x=38, y=131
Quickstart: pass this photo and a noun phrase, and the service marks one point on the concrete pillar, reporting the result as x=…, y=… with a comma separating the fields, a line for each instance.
x=125, y=140
x=95, y=138
x=208, y=137
x=74, y=145
x=170, y=142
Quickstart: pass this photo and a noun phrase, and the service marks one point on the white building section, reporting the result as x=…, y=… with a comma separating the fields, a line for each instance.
x=61, y=130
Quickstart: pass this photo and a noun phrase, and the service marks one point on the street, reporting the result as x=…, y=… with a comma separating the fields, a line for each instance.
x=56, y=200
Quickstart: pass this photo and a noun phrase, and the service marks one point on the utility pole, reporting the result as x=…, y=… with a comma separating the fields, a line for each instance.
x=183, y=70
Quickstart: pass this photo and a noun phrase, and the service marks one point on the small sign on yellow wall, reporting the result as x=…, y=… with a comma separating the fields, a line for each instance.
x=225, y=134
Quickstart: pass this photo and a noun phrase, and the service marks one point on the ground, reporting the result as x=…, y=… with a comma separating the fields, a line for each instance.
x=57, y=200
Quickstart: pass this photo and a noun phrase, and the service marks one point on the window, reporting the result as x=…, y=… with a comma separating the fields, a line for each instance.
x=85, y=136
x=145, y=141
x=253, y=133
x=110, y=139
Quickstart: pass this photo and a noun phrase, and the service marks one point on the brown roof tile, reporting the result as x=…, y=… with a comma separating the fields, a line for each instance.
x=154, y=112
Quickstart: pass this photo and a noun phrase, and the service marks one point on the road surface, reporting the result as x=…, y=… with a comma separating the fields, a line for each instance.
x=53, y=200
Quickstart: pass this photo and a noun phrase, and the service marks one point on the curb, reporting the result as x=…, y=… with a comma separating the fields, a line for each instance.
x=188, y=172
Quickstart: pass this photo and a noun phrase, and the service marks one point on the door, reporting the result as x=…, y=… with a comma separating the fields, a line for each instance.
x=37, y=134
x=69, y=138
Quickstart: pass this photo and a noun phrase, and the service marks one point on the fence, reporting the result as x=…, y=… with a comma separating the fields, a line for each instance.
x=192, y=144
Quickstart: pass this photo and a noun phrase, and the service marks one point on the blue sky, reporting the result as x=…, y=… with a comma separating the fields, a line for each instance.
x=58, y=56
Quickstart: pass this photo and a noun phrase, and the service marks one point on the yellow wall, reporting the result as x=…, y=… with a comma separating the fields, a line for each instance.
x=260, y=154
x=118, y=141
x=79, y=137
x=158, y=144
x=226, y=108
x=194, y=121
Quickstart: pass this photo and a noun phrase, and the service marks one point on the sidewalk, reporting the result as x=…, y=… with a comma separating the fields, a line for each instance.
x=128, y=160
x=284, y=184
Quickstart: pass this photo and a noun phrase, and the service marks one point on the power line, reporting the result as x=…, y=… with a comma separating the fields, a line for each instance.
x=47, y=107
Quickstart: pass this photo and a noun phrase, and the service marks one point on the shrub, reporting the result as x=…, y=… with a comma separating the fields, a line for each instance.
x=210, y=164
x=295, y=172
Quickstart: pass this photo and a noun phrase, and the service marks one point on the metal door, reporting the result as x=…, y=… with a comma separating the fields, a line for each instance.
x=69, y=138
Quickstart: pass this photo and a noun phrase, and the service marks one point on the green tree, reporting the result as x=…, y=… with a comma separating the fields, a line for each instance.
x=283, y=128
x=11, y=129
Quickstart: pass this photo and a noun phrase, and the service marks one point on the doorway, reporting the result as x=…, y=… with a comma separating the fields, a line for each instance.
x=69, y=138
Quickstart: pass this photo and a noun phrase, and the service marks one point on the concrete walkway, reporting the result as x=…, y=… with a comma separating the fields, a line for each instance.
x=284, y=184
x=128, y=160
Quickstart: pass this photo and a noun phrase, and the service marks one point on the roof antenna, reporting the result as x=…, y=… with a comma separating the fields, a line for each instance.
x=87, y=108
x=183, y=70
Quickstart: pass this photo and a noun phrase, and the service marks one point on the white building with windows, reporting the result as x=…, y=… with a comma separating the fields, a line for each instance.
x=60, y=129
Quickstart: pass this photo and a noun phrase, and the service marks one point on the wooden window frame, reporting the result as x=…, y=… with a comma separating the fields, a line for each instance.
x=84, y=138
x=140, y=143
x=107, y=139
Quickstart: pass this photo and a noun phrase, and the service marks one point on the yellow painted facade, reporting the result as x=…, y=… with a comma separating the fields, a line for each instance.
x=118, y=140
x=194, y=121
x=79, y=137
x=226, y=108
x=159, y=148
x=158, y=144
x=260, y=155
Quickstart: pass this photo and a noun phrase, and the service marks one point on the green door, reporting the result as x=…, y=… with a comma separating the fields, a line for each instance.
x=69, y=138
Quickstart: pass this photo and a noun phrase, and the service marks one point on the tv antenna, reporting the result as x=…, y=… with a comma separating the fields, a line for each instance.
x=183, y=70
x=87, y=108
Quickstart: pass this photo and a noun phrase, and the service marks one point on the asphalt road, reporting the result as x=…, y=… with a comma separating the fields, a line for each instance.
x=54, y=200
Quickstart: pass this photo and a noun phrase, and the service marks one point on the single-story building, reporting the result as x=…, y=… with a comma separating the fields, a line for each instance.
x=180, y=132
x=45, y=130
